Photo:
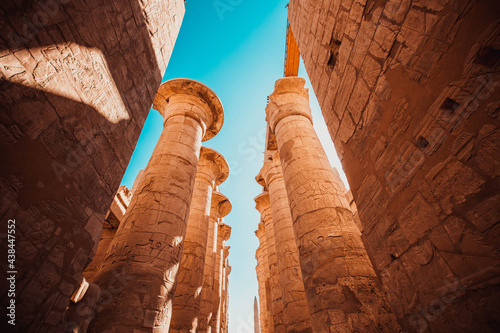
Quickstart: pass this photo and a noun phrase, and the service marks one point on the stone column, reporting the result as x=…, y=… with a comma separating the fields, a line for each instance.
x=223, y=233
x=106, y=239
x=262, y=276
x=264, y=207
x=340, y=283
x=295, y=311
x=221, y=206
x=138, y=274
x=212, y=171
x=224, y=292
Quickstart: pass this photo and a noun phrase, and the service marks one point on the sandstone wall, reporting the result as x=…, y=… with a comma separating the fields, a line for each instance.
x=77, y=82
x=409, y=91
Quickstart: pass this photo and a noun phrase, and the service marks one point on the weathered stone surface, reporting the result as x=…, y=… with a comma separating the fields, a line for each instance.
x=340, y=282
x=114, y=218
x=145, y=253
x=427, y=151
x=76, y=84
x=262, y=269
x=212, y=171
x=220, y=207
x=220, y=284
x=295, y=311
x=224, y=296
x=263, y=205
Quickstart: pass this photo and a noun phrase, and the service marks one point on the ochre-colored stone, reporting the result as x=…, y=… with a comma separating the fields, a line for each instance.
x=212, y=171
x=145, y=253
x=263, y=205
x=223, y=233
x=340, y=284
x=77, y=83
x=220, y=207
x=295, y=311
x=261, y=255
x=409, y=93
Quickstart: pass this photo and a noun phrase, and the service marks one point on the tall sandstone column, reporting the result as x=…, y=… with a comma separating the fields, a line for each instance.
x=263, y=205
x=220, y=207
x=340, y=283
x=225, y=292
x=295, y=311
x=138, y=273
x=223, y=234
x=212, y=171
x=266, y=319
x=77, y=82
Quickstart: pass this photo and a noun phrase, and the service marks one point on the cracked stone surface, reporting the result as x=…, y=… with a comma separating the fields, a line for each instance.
x=263, y=205
x=145, y=253
x=295, y=311
x=409, y=93
x=340, y=283
x=224, y=316
x=220, y=283
x=262, y=269
x=76, y=84
x=212, y=171
x=220, y=207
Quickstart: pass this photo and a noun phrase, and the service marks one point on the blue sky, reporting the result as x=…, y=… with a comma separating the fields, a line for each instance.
x=236, y=47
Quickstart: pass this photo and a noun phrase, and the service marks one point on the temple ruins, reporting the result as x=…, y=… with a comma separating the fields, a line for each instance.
x=409, y=91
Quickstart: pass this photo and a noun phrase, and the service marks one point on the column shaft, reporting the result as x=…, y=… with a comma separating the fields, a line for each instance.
x=106, y=239
x=208, y=278
x=186, y=304
x=138, y=274
x=269, y=302
x=223, y=234
x=139, y=270
x=212, y=170
x=261, y=290
x=295, y=311
x=224, y=292
x=262, y=278
x=215, y=322
x=220, y=207
x=340, y=283
x=263, y=206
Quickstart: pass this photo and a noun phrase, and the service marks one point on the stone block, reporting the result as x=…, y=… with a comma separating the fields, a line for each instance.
x=417, y=219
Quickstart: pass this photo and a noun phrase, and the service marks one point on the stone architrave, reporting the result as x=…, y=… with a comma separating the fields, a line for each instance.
x=295, y=311
x=340, y=282
x=223, y=234
x=266, y=318
x=264, y=207
x=138, y=274
x=220, y=207
x=212, y=171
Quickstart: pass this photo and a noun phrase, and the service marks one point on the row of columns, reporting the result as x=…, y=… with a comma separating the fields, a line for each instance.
x=162, y=270
x=311, y=254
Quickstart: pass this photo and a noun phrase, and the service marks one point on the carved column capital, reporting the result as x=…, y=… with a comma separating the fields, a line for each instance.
x=261, y=233
x=271, y=170
x=263, y=205
x=224, y=231
x=289, y=98
x=192, y=99
x=212, y=166
x=221, y=206
x=226, y=252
